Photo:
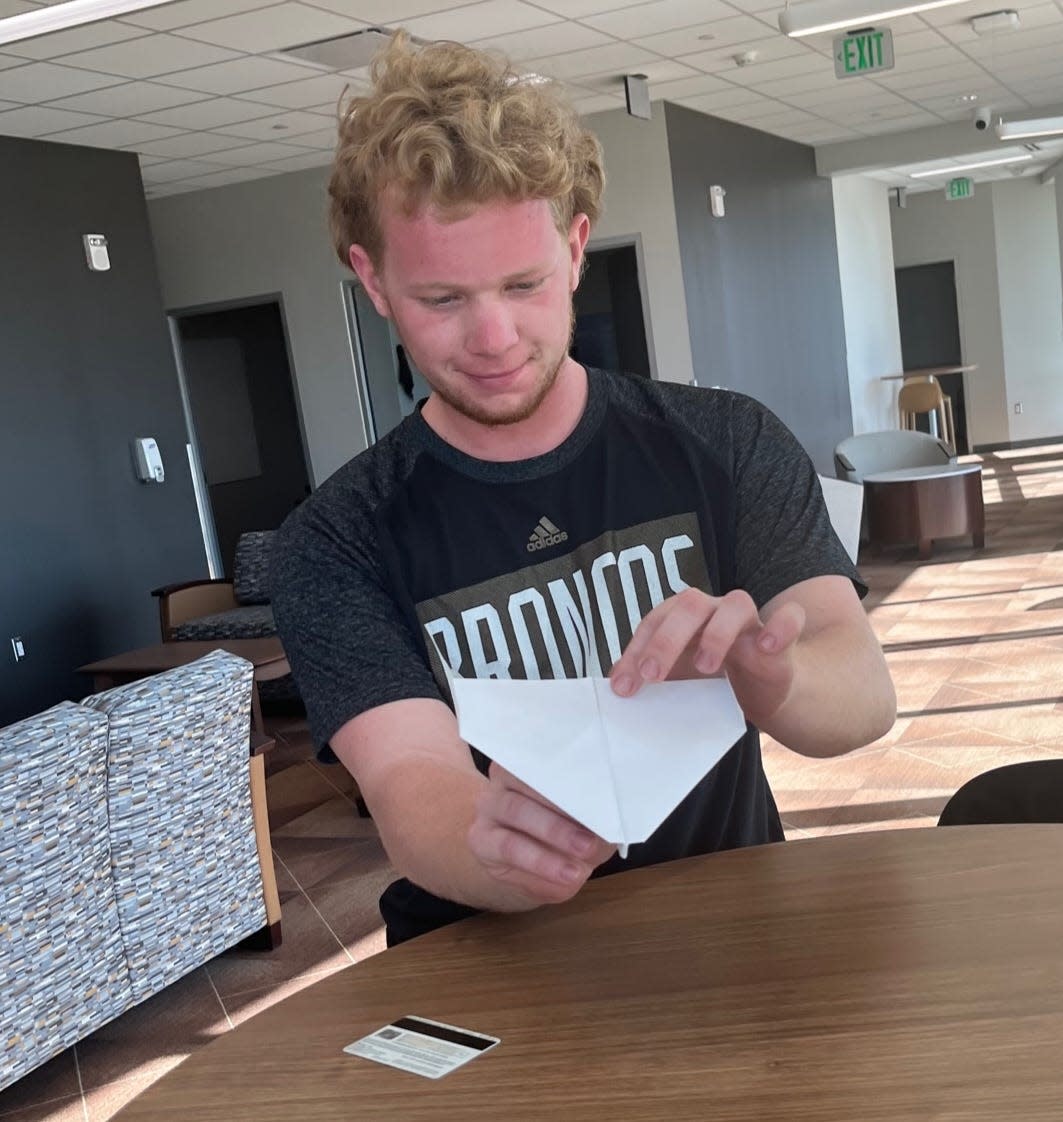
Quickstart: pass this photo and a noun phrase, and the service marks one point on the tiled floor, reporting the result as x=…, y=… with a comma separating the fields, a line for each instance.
x=975, y=643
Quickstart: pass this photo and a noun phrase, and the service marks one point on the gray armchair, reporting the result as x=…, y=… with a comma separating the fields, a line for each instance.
x=869, y=452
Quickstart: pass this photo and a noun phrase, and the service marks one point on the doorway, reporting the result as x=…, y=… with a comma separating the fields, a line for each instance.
x=930, y=332
x=610, y=322
x=244, y=425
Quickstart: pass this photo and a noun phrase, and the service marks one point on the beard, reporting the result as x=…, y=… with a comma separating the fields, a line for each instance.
x=475, y=410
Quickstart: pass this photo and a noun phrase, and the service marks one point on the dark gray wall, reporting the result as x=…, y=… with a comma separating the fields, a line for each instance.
x=763, y=291
x=85, y=366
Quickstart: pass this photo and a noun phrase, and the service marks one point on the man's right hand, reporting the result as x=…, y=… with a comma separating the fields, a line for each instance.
x=527, y=843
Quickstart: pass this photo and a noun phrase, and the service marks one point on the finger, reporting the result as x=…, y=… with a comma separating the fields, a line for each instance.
x=782, y=629
x=513, y=856
x=660, y=640
x=516, y=806
x=735, y=616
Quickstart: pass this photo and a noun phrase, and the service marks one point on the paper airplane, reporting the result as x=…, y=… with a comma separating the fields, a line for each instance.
x=618, y=766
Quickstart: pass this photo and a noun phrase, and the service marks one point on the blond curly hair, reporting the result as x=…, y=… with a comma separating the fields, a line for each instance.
x=449, y=127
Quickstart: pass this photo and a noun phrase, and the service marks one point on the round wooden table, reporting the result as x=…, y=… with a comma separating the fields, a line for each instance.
x=920, y=504
x=914, y=974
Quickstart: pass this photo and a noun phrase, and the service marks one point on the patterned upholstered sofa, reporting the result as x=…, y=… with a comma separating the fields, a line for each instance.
x=222, y=609
x=128, y=851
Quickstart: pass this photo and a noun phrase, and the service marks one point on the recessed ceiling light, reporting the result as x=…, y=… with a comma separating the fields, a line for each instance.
x=73, y=13
x=965, y=99
x=993, y=22
x=812, y=17
x=948, y=172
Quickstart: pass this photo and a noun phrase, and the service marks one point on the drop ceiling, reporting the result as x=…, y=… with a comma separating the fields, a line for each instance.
x=200, y=90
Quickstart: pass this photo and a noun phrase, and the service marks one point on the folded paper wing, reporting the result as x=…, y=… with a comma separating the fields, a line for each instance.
x=618, y=766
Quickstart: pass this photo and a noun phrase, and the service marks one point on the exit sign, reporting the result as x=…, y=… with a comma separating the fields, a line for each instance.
x=863, y=52
x=960, y=188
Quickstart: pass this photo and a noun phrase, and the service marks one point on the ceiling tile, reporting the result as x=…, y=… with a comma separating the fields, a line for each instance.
x=321, y=138
x=223, y=177
x=688, y=87
x=324, y=90
x=660, y=15
x=555, y=38
x=716, y=59
x=390, y=13
x=75, y=39
x=8, y=61
x=114, y=134
x=148, y=57
x=14, y=7
x=171, y=170
x=43, y=81
x=299, y=163
x=239, y=75
x=127, y=99
x=759, y=6
x=187, y=12
x=39, y=120
x=253, y=154
x=578, y=9
x=479, y=21
x=752, y=76
x=664, y=70
x=276, y=126
x=708, y=36
x=905, y=46
x=722, y=99
x=620, y=58
x=284, y=25
x=209, y=114
x=189, y=144
x=599, y=103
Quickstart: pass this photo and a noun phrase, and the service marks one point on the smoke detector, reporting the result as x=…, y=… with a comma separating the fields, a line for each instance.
x=744, y=58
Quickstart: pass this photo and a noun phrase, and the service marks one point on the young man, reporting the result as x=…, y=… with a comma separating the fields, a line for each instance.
x=536, y=519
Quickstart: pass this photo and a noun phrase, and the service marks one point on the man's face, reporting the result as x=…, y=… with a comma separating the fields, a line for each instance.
x=483, y=303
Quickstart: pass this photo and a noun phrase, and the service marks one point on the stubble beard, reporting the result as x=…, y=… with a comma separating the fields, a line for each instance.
x=474, y=411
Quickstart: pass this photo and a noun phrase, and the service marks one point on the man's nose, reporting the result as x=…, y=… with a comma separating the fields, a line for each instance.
x=492, y=330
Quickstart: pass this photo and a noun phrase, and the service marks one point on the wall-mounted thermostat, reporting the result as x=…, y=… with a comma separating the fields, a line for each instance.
x=96, y=252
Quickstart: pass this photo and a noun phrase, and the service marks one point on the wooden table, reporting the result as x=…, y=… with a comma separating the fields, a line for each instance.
x=913, y=974
x=923, y=503
x=926, y=373
x=266, y=655
x=269, y=661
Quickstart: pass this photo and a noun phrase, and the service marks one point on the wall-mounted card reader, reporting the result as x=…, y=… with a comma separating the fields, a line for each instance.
x=148, y=460
x=96, y=254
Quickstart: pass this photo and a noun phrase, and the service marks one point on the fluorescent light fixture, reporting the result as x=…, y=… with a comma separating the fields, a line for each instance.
x=1036, y=126
x=968, y=167
x=992, y=22
x=811, y=17
x=58, y=17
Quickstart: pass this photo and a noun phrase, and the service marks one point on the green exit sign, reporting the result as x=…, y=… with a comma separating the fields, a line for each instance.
x=960, y=188
x=863, y=52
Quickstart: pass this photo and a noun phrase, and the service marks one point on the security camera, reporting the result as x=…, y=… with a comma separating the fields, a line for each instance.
x=983, y=118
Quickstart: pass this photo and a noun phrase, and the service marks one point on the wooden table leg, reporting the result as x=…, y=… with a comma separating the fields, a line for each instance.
x=263, y=842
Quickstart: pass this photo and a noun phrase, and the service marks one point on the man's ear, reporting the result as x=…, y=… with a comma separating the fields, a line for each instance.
x=367, y=273
x=578, y=233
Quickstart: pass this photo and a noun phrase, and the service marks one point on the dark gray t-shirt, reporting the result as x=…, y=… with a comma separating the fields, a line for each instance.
x=543, y=568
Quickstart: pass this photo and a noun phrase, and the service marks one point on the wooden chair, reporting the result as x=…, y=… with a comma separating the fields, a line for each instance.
x=926, y=397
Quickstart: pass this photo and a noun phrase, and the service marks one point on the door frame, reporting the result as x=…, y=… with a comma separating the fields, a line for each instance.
x=348, y=287
x=623, y=241
x=215, y=564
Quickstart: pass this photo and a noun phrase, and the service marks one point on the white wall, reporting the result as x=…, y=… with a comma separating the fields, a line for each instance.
x=1031, y=305
x=263, y=237
x=639, y=200
x=869, y=299
x=932, y=229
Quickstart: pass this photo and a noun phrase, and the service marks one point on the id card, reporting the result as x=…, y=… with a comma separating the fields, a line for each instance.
x=427, y=1048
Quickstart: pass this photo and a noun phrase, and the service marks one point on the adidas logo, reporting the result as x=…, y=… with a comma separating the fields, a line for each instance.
x=545, y=535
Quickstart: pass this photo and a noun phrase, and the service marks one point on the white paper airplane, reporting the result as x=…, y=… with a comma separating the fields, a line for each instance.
x=618, y=766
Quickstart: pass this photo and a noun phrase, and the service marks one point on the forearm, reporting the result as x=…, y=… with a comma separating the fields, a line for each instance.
x=430, y=847
x=841, y=698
